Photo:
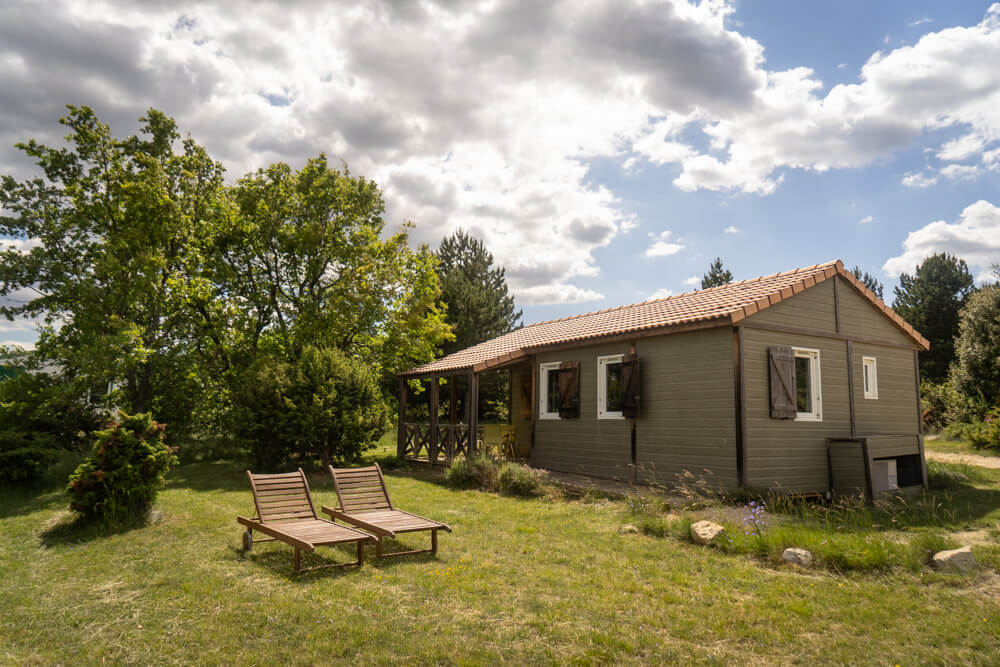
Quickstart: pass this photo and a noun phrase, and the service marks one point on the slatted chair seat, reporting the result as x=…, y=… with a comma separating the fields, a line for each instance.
x=363, y=501
x=286, y=513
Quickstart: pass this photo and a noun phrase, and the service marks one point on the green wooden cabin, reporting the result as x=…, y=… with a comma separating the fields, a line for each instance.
x=802, y=381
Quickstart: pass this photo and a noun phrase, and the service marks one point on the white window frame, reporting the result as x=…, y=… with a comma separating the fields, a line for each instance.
x=869, y=380
x=602, y=386
x=543, y=389
x=817, y=384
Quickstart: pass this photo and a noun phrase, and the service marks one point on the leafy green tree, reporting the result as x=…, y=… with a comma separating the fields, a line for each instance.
x=299, y=260
x=324, y=406
x=717, y=275
x=479, y=304
x=869, y=281
x=976, y=370
x=113, y=222
x=930, y=300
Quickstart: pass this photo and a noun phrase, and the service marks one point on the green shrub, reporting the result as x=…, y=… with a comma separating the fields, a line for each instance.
x=40, y=419
x=506, y=477
x=982, y=434
x=323, y=406
x=943, y=405
x=118, y=483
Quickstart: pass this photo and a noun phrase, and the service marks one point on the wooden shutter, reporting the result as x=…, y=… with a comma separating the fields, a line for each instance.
x=569, y=389
x=526, y=402
x=781, y=363
x=630, y=383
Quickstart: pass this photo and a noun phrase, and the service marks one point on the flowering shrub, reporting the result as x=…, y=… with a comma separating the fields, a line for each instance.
x=118, y=483
x=754, y=520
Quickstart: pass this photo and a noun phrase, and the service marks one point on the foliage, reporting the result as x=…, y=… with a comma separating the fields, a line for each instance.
x=942, y=404
x=754, y=517
x=491, y=474
x=982, y=434
x=931, y=300
x=322, y=406
x=112, y=226
x=976, y=370
x=118, y=483
x=40, y=418
x=717, y=275
x=869, y=281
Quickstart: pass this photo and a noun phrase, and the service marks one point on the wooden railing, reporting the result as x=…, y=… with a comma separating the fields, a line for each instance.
x=452, y=440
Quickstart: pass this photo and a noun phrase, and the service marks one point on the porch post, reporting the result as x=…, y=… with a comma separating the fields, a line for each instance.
x=473, y=410
x=401, y=426
x=451, y=399
x=435, y=400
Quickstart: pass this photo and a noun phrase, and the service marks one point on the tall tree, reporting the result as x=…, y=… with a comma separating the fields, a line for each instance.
x=976, y=371
x=930, y=300
x=717, y=275
x=112, y=225
x=475, y=291
x=870, y=281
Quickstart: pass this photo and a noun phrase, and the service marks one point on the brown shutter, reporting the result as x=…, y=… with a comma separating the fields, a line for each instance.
x=526, y=402
x=781, y=363
x=569, y=389
x=630, y=380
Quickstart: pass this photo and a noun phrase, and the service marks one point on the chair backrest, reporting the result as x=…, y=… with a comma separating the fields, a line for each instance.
x=360, y=489
x=283, y=497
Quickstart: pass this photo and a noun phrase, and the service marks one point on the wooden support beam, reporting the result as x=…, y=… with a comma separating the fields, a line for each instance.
x=452, y=398
x=433, y=437
x=401, y=427
x=473, y=410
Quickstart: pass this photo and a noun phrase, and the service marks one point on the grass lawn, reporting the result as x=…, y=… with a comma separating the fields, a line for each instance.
x=939, y=444
x=525, y=581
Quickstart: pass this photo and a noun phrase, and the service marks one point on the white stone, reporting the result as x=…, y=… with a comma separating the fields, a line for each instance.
x=629, y=529
x=954, y=560
x=797, y=556
x=703, y=532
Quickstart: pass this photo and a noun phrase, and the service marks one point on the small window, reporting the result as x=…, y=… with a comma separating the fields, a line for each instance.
x=808, y=397
x=548, y=390
x=870, y=369
x=610, y=387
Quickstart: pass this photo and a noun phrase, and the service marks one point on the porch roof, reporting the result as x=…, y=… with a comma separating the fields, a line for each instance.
x=716, y=306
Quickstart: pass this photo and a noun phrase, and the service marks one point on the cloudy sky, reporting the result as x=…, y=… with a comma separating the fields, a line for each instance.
x=605, y=150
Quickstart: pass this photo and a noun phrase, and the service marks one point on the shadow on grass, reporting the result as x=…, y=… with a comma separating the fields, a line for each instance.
x=74, y=529
x=24, y=500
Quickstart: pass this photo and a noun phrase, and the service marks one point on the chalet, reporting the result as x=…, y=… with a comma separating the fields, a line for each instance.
x=802, y=381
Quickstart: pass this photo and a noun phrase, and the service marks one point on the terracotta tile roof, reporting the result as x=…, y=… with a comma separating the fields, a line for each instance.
x=716, y=306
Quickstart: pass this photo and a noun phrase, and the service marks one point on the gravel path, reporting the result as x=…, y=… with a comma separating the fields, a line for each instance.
x=971, y=459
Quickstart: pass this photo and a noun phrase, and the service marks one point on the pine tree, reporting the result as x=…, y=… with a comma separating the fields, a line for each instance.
x=870, y=281
x=717, y=275
x=930, y=300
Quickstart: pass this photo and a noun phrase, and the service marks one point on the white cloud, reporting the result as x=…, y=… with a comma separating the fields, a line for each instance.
x=14, y=344
x=865, y=220
x=731, y=229
x=918, y=180
x=841, y=65
x=960, y=172
x=22, y=246
x=542, y=295
x=662, y=246
x=922, y=21
x=693, y=281
x=975, y=237
x=661, y=293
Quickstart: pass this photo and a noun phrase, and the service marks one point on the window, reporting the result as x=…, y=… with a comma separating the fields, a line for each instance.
x=548, y=390
x=871, y=376
x=610, y=387
x=808, y=398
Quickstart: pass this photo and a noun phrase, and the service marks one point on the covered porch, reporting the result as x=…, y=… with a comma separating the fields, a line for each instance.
x=444, y=421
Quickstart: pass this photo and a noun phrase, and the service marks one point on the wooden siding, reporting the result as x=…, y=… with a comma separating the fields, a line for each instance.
x=811, y=309
x=847, y=463
x=898, y=445
x=784, y=453
x=584, y=445
x=688, y=407
x=858, y=317
x=894, y=412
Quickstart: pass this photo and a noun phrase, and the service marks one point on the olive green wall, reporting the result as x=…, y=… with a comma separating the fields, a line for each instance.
x=811, y=309
x=584, y=445
x=688, y=407
x=858, y=317
x=522, y=425
x=895, y=410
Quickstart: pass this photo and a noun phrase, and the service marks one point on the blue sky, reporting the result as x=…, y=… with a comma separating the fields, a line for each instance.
x=605, y=150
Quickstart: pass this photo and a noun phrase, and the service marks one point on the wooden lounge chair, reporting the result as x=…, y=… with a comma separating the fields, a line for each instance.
x=286, y=513
x=364, y=502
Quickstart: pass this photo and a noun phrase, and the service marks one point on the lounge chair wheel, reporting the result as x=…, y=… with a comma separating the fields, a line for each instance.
x=247, y=540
